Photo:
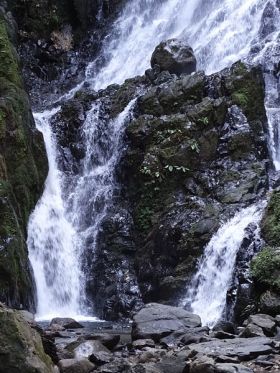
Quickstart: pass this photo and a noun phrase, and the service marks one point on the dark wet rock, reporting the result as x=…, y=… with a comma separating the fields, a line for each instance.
x=225, y=326
x=66, y=323
x=222, y=335
x=108, y=340
x=174, y=364
x=175, y=57
x=21, y=347
x=192, y=159
x=75, y=366
x=270, y=303
x=157, y=321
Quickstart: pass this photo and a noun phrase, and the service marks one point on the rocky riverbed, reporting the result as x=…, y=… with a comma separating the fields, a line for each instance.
x=161, y=339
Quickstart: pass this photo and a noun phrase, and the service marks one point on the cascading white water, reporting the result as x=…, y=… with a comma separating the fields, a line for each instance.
x=207, y=294
x=51, y=240
x=220, y=32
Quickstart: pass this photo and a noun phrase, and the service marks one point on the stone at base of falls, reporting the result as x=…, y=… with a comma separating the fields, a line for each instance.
x=108, y=340
x=66, y=323
x=156, y=321
x=88, y=348
x=243, y=349
x=21, y=348
x=174, y=56
x=75, y=366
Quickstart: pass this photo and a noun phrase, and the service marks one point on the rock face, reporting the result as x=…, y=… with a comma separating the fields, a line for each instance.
x=21, y=348
x=23, y=168
x=175, y=57
x=196, y=153
x=156, y=321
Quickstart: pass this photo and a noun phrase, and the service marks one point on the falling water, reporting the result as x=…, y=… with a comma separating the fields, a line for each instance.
x=207, y=293
x=220, y=32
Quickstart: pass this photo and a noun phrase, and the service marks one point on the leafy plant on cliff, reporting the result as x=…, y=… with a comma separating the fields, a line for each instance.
x=271, y=221
x=265, y=267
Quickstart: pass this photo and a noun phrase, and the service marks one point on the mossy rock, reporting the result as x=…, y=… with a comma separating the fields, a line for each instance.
x=271, y=221
x=246, y=86
x=265, y=268
x=23, y=168
x=21, y=348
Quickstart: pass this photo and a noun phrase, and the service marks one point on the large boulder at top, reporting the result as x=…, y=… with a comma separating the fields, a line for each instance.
x=174, y=56
x=21, y=348
x=157, y=321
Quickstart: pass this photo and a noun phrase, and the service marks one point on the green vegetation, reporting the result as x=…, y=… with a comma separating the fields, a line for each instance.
x=266, y=268
x=271, y=221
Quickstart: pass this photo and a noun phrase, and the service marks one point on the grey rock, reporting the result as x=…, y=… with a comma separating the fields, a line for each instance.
x=232, y=368
x=66, y=323
x=157, y=321
x=243, y=348
x=172, y=364
x=174, y=56
x=202, y=364
x=252, y=330
x=108, y=340
x=95, y=351
x=86, y=349
x=28, y=316
x=75, y=366
x=265, y=322
x=141, y=343
x=222, y=335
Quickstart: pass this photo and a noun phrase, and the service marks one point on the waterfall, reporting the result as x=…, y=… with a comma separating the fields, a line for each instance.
x=208, y=290
x=220, y=32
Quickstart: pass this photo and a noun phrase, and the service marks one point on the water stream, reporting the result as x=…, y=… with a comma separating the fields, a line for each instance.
x=220, y=32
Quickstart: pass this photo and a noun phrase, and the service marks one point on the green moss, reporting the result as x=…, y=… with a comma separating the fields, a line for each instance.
x=8, y=61
x=265, y=268
x=23, y=168
x=271, y=221
x=246, y=87
x=241, y=97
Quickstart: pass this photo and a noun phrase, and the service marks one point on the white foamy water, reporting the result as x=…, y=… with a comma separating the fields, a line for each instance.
x=71, y=210
x=208, y=290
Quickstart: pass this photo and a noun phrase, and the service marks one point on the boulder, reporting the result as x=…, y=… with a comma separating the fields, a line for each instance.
x=265, y=322
x=108, y=340
x=141, y=343
x=232, y=368
x=156, y=321
x=28, y=316
x=21, y=348
x=252, y=330
x=66, y=323
x=75, y=366
x=86, y=349
x=174, y=56
x=243, y=349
